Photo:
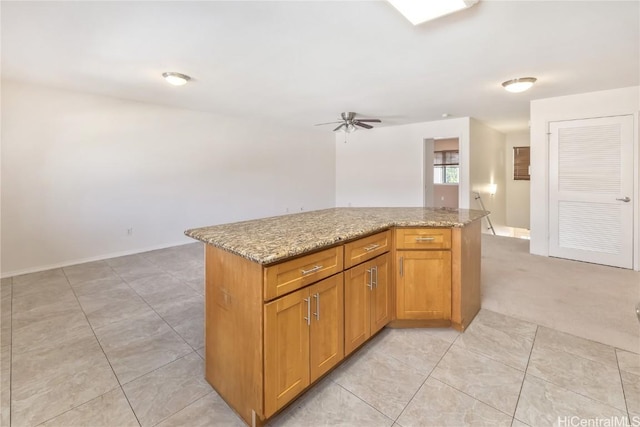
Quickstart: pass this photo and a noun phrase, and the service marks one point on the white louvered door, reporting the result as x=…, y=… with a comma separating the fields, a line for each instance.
x=590, y=190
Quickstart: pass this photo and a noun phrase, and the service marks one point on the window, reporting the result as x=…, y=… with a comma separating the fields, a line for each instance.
x=521, y=162
x=446, y=167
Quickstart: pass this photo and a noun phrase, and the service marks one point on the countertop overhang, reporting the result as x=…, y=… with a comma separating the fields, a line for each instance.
x=274, y=239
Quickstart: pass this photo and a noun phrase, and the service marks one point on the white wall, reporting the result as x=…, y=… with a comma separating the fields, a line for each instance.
x=487, y=163
x=78, y=170
x=445, y=196
x=385, y=166
x=518, y=191
x=587, y=105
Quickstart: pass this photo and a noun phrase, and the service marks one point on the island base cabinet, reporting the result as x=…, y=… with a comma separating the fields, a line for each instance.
x=423, y=285
x=367, y=297
x=303, y=340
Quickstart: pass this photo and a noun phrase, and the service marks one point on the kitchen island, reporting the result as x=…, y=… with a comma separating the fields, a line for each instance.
x=288, y=298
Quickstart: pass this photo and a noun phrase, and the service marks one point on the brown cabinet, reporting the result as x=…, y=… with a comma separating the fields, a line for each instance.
x=303, y=340
x=423, y=285
x=367, y=296
x=273, y=330
x=366, y=248
x=423, y=238
x=285, y=277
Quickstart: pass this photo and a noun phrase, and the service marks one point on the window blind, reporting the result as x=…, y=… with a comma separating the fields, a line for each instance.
x=521, y=162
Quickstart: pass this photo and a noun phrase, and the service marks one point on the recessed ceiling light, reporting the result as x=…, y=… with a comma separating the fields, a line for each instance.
x=419, y=11
x=519, y=85
x=176, y=79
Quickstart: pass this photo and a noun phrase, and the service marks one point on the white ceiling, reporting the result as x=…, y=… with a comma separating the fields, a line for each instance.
x=305, y=62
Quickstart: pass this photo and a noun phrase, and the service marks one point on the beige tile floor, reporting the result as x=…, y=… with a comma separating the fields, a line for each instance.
x=120, y=343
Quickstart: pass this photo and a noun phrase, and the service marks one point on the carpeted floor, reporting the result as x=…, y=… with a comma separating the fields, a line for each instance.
x=588, y=300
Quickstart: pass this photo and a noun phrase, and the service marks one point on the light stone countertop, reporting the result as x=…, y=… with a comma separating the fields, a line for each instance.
x=274, y=239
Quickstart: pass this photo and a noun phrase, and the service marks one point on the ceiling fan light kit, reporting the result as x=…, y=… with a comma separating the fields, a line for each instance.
x=519, y=85
x=418, y=12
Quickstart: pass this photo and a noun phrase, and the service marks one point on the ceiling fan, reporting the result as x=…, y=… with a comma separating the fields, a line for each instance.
x=349, y=122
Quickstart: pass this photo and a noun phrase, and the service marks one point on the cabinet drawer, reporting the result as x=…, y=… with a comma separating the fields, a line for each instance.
x=423, y=238
x=366, y=248
x=280, y=279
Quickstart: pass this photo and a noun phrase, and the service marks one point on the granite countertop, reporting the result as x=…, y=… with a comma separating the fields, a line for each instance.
x=273, y=239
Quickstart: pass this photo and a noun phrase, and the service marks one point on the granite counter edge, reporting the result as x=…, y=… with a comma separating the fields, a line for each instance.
x=323, y=244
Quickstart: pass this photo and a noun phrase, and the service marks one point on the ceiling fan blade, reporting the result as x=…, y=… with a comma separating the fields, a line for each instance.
x=370, y=120
x=328, y=123
x=362, y=125
x=338, y=128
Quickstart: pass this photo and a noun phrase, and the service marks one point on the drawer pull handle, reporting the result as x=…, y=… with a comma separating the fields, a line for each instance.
x=311, y=270
x=425, y=239
x=371, y=247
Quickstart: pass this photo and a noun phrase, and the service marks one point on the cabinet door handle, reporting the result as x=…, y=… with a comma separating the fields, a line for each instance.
x=370, y=284
x=401, y=266
x=375, y=272
x=311, y=270
x=425, y=239
x=308, y=318
x=371, y=247
x=317, y=298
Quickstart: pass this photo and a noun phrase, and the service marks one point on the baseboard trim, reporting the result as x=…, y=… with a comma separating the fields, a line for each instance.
x=37, y=269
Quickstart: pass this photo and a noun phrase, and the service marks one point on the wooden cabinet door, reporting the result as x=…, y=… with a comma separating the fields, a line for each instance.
x=423, y=285
x=357, y=307
x=381, y=293
x=286, y=349
x=327, y=325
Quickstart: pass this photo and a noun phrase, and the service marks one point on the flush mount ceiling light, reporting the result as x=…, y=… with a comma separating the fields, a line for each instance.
x=176, y=79
x=418, y=12
x=519, y=85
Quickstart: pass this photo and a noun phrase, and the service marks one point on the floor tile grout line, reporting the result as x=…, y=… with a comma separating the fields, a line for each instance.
x=488, y=356
x=425, y=380
x=464, y=392
x=524, y=377
x=100, y=344
x=182, y=409
x=352, y=393
x=77, y=406
x=160, y=367
x=575, y=392
x=624, y=394
x=553, y=348
x=580, y=357
x=363, y=401
x=167, y=323
x=154, y=310
x=87, y=320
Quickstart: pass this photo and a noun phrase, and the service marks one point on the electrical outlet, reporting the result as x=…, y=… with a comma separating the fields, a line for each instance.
x=130, y=231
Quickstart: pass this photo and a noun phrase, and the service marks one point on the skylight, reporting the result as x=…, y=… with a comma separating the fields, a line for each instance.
x=419, y=11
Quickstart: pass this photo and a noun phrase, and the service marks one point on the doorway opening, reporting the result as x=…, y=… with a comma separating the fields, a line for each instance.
x=445, y=172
